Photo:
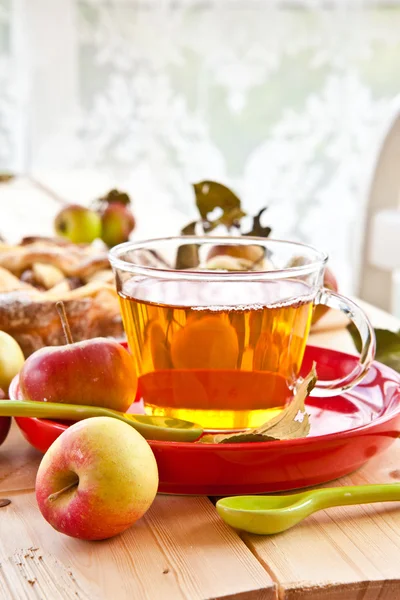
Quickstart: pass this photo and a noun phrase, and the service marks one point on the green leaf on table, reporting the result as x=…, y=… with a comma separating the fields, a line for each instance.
x=387, y=345
x=291, y=423
x=211, y=195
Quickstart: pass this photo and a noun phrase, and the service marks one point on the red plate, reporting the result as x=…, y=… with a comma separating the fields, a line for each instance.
x=346, y=431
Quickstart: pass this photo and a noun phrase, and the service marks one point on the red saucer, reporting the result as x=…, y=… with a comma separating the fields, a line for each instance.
x=346, y=431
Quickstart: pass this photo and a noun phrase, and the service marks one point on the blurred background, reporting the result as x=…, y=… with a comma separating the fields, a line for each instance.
x=292, y=104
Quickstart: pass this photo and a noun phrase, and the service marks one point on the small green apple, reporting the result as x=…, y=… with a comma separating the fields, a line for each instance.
x=96, y=479
x=78, y=224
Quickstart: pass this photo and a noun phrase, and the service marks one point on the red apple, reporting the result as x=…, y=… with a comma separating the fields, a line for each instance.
x=5, y=422
x=331, y=283
x=98, y=372
x=117, y=223
x=96, y=479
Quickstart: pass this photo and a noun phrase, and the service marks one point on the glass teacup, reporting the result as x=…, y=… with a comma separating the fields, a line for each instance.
x=221, y=342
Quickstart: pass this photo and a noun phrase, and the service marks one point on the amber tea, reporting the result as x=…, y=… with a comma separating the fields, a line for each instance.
x=224, y=355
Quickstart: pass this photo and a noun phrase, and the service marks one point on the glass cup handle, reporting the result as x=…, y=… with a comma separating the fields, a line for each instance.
x=361, y=321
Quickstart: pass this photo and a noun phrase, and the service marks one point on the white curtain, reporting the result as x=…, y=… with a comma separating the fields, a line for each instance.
x=286, y=102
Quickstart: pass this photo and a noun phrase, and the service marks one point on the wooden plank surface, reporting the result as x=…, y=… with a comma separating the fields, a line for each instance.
x=346, y=553
x=179, y=550
x=18, y=463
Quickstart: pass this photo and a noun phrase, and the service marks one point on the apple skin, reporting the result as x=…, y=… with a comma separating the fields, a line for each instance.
x=78, y=224
x=331, y=283
x=116, y=476
x=96, y=372
x=5, y=422
x=205, y=342
x=11, y=359
x=253, y=253
x=117, y=223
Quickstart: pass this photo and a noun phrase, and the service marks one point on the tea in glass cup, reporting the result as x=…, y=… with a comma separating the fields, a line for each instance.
x=218, y=347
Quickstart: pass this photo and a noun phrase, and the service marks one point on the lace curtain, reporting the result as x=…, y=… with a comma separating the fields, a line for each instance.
x=287, y=103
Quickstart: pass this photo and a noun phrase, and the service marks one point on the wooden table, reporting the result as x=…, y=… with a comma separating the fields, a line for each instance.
x=181, y=549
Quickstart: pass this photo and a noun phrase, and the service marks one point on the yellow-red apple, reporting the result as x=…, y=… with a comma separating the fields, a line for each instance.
x=96, y=479
x=78, y=223
x=11, y=360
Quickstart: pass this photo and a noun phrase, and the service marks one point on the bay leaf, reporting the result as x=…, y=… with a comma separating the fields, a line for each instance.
x=293, y=422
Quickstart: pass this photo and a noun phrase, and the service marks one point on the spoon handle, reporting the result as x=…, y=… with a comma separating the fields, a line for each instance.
x=358, y=494
x=151, y=428
x=49, y=410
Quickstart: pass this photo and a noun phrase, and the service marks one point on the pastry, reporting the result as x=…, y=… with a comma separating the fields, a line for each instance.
x=38, y=272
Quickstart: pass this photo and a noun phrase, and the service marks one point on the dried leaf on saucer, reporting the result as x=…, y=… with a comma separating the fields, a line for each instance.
x=292, y=422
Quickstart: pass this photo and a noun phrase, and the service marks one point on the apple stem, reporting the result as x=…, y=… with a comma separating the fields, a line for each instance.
x=64, y=322
x=56, y=495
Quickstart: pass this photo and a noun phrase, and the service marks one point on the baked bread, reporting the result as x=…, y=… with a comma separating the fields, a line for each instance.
x=37, y=273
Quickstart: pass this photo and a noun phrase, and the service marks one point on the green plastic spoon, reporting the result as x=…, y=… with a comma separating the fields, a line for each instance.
x=272, y=514
x=151, y=428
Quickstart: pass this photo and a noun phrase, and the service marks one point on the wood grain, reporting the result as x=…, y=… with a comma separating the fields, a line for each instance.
x=180, y=550
x=349, y=553
x=18, y=463
x=346, y=553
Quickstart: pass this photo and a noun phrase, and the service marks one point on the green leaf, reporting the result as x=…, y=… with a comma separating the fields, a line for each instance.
x=116, y=196
x=258, y=229
x=187, y=256
x=211, y=195
x=292, y=422
x=387, y=345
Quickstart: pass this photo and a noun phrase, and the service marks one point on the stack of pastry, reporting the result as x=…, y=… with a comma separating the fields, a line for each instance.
x=37, y=273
